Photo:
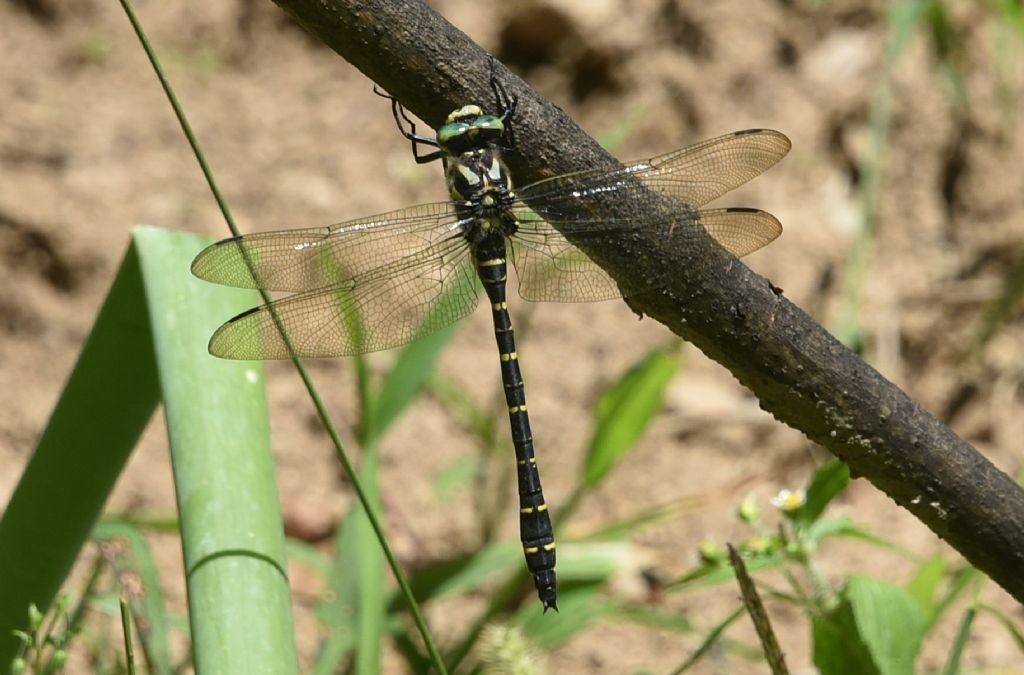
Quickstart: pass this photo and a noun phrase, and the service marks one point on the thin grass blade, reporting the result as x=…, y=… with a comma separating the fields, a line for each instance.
x=963, y=634
x=147, y=601
x=355, y=605
x=370, y=577
x=709, y=641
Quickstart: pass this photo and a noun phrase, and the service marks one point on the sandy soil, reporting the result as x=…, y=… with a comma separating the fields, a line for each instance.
x=89, y=148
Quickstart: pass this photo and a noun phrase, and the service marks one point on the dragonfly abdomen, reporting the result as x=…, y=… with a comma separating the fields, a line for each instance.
x=535, y=531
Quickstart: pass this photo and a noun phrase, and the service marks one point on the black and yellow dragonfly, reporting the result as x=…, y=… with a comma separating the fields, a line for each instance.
x=379, y=282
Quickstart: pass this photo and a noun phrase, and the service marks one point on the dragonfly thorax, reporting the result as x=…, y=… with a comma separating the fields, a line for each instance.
x=479, y=182
x=478, y=176
x=471, y=144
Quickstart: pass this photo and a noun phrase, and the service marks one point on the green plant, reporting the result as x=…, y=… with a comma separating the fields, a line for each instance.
x=865, y=625
x=363, y=612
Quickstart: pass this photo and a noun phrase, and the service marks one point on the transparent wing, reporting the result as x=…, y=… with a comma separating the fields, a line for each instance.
x=694, y=175
x=386, y=307
x=552, y=269
x=308, y=259
x=739, y=231
x=378, y=282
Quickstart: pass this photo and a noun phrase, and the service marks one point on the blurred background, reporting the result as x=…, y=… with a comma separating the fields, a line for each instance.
x=902, y=202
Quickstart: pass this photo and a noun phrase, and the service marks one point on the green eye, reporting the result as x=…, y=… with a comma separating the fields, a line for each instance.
x=489, y=123
x=451, y=131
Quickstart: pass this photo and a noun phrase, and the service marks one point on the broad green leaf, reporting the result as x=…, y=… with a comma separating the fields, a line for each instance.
x=903, y=19
x=842, y=526
x=877, y=628
x=923, y=586
x=309, y=555
x=405, y=380
x=149, y=341
x=475, y=419
x=625, y=410
x=705, y=576
x=577, y=562
x=415, y=362
x=889, y=621
x=611, y=138
x=593, y=561
x=339, y=606
x=370, y=576
x=651, y=616
x=217, y=425
x=104, y=407
x=828, y=481
x=625, y=527
x=838, y=648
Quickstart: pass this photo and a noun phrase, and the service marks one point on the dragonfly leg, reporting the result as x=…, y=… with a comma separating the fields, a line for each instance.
x=506, y=104
x=401, y=119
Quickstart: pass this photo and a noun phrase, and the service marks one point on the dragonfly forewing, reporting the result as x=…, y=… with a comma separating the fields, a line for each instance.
x=314, y=258
x=695, y=175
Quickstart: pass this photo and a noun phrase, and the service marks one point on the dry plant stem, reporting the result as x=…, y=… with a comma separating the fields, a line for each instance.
x=800, y=373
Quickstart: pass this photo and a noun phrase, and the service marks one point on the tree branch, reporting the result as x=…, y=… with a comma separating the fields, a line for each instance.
x=799, y=372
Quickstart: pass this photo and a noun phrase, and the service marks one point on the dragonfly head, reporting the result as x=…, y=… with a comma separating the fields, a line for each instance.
x=468, y=128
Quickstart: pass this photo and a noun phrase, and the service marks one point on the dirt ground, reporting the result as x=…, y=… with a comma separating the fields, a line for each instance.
x=89, y=149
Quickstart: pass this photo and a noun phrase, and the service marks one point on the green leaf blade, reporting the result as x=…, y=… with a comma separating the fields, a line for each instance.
x=218, y=428
x=877, y=628
x=103, y=409
x=624, y=412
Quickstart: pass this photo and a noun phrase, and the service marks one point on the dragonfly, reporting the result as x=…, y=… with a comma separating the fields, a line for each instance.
x=378, y=282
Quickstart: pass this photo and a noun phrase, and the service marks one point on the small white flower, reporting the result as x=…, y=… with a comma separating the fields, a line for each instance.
x=789, y=500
